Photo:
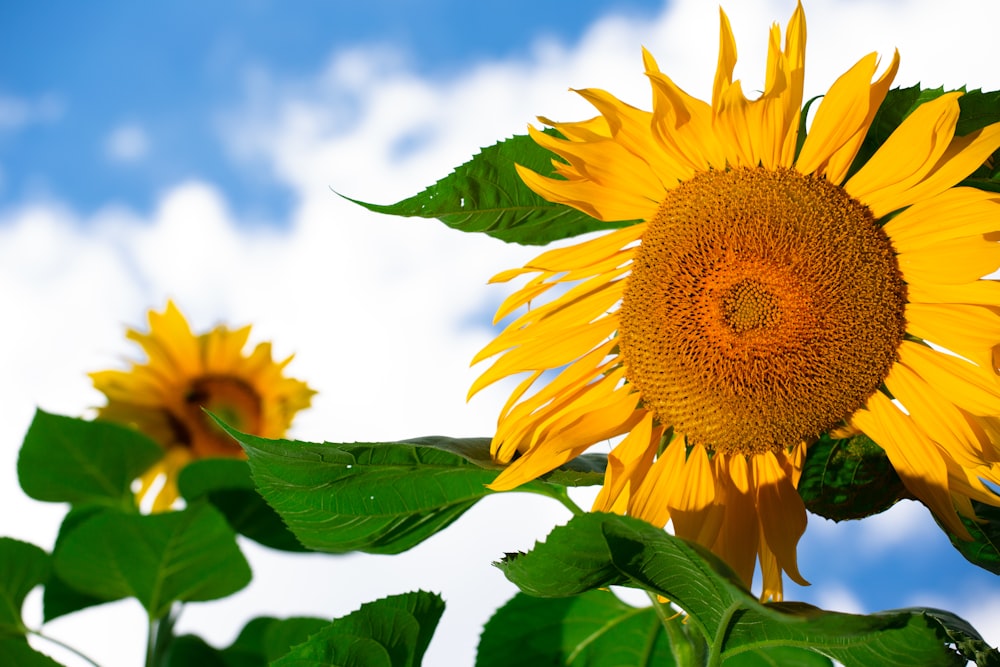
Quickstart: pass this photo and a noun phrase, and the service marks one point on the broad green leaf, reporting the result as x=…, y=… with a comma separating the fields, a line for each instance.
x=486, y=195
x=978, y=109
x=380, y=497
x=59, y=598
x=227, y=485
x=848, y=479
x=779, y=656
x=594, y=629
x=188, y=650
x=600, y=550
x=22, y=567
x=185, y=556
x=390, y=632
x=261, y=641
x=16, y=651
x=78, y=461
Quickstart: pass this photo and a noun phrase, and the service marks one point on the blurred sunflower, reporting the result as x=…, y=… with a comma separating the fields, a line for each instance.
x=767, y=295
x=164, y=397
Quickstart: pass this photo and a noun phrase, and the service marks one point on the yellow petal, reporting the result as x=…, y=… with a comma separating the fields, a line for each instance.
x=951, y=262
x=906, y=157
x=628, y=465
x=968, y=386
x=843, y=118
x=782, y=512
x=935, y=415
x=915, y=458
x=968, y=212
x=971, y=331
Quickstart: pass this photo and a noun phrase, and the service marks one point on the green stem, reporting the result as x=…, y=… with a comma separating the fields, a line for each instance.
x=160, y=636
x=151, y=633
x=680, y=642
x=715, y=651
x=53, y=640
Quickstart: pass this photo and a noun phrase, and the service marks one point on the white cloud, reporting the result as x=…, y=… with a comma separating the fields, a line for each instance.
x=18, y=112
x=376, y=307
x=127, y=143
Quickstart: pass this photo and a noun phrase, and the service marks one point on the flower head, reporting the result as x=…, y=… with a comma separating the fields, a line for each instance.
x=770, y=293
x=186, y=374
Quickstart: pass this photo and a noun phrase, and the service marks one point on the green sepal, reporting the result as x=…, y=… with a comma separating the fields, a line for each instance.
x=82, y=462
x=848, y=478
x=159, y=559
x=600, y=550
x=227, y=485
x=390, y=632
x=384, y=498
x=486, y=195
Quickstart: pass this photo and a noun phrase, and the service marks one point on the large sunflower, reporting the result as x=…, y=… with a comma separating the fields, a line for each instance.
x=767, y=296
x=164, y=397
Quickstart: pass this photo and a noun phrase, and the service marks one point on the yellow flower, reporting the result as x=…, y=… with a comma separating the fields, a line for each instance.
x=767, y=296
x=164, y=397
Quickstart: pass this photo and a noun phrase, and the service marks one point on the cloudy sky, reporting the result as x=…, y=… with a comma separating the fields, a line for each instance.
x=190, y=151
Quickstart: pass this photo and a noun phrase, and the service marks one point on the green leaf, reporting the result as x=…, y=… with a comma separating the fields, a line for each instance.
x=16, y=651
x=22, y=567
x=391, y=632
x=281, y=636
x=977, y=110
x=189, y=555
x=261, y=641
x=849, y=478
x=594, y=629
x=59, y=598
x=77, y=461
x=486, y=195
x=600, y=550
x=380, y=497
x=984, y=548
x=779, y=656
x=227, y=485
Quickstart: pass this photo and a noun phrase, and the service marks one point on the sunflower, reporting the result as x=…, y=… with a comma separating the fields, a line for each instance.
x=768, y=294
x=185, y=374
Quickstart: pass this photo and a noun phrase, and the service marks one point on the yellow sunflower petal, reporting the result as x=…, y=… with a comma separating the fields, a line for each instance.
x=907, y=156
x=596, y=200
x=968, y=386
x=916, y=459
x=782, y=512
x=971, y=331
x=936, y=415
x=628, y=465
x=843, y=118
x=969, y=212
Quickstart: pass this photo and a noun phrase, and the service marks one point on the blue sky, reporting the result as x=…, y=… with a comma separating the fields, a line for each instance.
x=186, y=150
x=172, y=70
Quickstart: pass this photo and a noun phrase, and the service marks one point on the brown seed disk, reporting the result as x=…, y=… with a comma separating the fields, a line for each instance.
x=763, y=308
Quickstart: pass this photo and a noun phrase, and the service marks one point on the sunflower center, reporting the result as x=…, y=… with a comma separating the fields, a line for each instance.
x=230, y=399
x=748, y=305
x=764, y=307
